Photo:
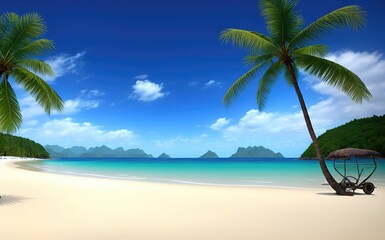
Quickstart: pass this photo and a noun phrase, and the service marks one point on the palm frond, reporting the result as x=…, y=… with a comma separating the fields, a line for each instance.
x=242, y=82
x=36, y=66
x=253, y=60
x=253, y=41
x=28, y=27
x=7, y=21
x=35, y=48
x=335, y=75
x=349, y=17
x=318, y=50
x=45, y=96
x=10, y=114
x=266, y=82
x=282, y=21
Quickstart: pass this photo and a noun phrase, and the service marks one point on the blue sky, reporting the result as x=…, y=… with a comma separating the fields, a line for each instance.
x=151, y=74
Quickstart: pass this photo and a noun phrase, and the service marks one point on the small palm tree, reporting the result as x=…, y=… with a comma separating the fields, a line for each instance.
x=290, y=47
x=20, y=44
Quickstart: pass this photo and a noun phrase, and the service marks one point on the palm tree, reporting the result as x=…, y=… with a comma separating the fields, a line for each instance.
x=20, y=44
x=290, y=47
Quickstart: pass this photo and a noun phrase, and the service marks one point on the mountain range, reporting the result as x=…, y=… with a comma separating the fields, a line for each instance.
x=104, y=151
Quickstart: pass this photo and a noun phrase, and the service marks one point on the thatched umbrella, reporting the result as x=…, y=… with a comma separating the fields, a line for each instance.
x=347, y=153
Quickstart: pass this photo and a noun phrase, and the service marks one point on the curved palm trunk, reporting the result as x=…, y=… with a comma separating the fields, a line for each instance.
x=329, y=178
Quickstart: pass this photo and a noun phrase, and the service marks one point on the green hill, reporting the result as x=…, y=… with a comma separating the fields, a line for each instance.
x=367, y=133
x=20, y=147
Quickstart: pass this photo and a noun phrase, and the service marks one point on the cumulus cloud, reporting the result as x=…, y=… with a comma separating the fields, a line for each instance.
x=147, y=91
x=63, y=64
x=72, y=133
x=219, y=124
x=260, y=124
x=87, y=99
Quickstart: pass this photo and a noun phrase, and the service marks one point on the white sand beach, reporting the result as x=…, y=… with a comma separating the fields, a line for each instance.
x=45, y=206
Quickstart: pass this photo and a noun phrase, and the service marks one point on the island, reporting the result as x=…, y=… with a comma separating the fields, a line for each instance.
x=209, y=154
x=164, y=155
x=253, y=152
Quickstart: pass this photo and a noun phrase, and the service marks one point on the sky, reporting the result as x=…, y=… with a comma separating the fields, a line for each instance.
x=152, y=74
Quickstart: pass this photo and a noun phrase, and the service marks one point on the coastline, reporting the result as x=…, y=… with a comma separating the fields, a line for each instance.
x=39, y=205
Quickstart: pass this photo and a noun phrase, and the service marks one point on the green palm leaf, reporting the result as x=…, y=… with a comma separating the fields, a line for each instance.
x=20, y=43
x=46, y=97
x=266, y=82
x=248, y=40
x=316, y=50
x=335, y=75
x=349, y=16
x=36, y=66
x=242, y=82
x=35, y=48
x=253, y=60
x=30, y=26
x=10, y=115
x=282, y=21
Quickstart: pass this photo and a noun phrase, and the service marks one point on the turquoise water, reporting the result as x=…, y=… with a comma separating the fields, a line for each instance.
x=271, y=172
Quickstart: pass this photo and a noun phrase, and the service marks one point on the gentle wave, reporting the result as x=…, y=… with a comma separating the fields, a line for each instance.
x=92, y=174
x=166, y=180
x=289, y=174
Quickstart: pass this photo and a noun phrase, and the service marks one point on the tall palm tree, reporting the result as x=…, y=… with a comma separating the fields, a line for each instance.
x=289, y=47
x=20, y=44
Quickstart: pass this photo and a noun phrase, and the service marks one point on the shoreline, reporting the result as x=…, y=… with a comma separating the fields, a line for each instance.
x=44, y=206
x=22, y=164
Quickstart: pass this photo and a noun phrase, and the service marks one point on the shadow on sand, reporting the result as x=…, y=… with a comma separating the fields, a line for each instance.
x=11, y=200
x=336, y=195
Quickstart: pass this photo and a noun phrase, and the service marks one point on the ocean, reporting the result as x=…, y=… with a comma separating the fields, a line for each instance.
x=241, y=172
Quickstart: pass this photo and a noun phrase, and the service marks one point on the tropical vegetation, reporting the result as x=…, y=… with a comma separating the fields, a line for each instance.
x=20, y=147
x=288, y=47
x=365, y=133
x=21, y=43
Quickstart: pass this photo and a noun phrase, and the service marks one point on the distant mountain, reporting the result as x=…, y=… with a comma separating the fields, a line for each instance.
x=255, y=152
x=102, y=151
x=163, y=155
x=367, y=133
x=209, y=154
x=54, y=148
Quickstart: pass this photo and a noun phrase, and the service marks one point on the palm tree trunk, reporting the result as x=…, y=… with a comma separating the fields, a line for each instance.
x=329, y=178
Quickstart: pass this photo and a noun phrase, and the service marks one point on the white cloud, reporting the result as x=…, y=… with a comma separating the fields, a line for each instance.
x=68, y=133
x=219, y=124
x=147, y=91
x=88, y=99
x=63, y=64
x=260, y=124
x=212, y=83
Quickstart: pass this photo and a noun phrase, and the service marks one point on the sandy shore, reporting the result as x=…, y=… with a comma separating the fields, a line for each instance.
x=44, y=206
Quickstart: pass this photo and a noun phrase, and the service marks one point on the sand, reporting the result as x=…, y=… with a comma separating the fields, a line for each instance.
x=45, y=206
